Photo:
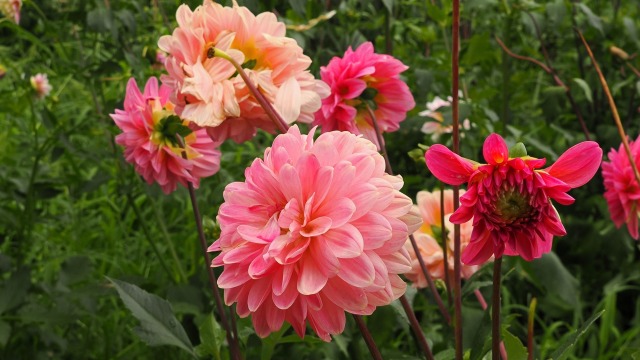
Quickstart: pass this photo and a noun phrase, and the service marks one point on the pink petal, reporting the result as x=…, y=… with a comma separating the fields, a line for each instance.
x=447, y=166
x=358, y=271
x=578, y=164
x=288, y=100
x=495, y=150
x=345, y=242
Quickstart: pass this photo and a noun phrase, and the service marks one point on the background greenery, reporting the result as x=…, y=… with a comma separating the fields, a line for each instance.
x=72, y=211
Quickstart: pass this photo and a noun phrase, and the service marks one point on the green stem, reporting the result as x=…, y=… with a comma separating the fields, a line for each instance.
x=167, y=239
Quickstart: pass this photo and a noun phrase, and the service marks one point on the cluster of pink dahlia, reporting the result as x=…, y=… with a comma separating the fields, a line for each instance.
x=359, y=79
x=316, y=229
x=207, y=89
x=622, y=191
x=145, y=122
x=11, y=9
x=509, y=198
x=40, y=83
x=429, y=233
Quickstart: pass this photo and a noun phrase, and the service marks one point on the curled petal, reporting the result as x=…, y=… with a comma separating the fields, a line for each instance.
x=448, y=166
x=578, y=164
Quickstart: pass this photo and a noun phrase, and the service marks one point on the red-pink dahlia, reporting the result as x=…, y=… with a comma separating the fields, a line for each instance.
x=359, y=79
x=510, y=197
x=149, y=127
x=208, y=90
x=621, y=187
x=316, y=229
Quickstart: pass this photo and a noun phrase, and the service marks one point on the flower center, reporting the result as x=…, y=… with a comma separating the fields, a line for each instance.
x=512, y=206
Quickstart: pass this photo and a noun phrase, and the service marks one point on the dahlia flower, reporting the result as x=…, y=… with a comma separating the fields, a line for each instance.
x=40, y=83
x=11, y=9
x=149, y=128
x=207, y=89
x=316, y=229
x=438, y=127
x=426, y=235
x=509, y=198
x=621, y=188
x=359, y=79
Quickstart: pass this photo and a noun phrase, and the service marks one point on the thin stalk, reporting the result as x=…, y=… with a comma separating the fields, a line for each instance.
x=614, y=109
x=483, y=305
x=457, y=266
x=549, y=70
x=233, y=341
x=266, y=105
x=532, y=313
x=149, y=238
x=368, y=339
x=417, y=330
x=495, y=310
x=445, y=247
x=423, y=266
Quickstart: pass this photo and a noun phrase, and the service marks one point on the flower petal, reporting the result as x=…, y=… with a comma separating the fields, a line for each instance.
x=495, y=150
x=578, y=164
x=447, y=166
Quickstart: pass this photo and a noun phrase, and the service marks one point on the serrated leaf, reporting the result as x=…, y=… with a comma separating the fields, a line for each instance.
x=585, y=88
x=514, y=347
x=158, y=324
x=594, y=20
x=573, y=339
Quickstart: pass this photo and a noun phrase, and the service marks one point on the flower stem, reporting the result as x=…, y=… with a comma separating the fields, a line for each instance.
x=483, y=305
x=614, y=109
x=457, y=266
x=532, y=313
x=266, y=105
x=423, y=266
x=368, y=339
x=417, y=330
x=233, y=341
x=495, y=310
x=445, y=247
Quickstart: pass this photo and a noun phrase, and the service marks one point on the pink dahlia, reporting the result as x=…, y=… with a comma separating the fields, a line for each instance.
x=40, y=83
x=359, y=79
x=316, y=229
x=207, y=89
x=426, y=235
x=11, y=9
x=621, y=188
x=149, y=128
x=510, y=197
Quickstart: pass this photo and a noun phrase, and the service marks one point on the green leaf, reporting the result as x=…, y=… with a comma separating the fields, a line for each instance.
x=158, y=324
x=573, y=339
x=5, y=332
x=518, y=150
x=14, y=290
x=211, y=337
x=389, y=5
x=585, y=88
x=514, y=347
x=448, y=354
x=549, y=272
x=594, y=20
x=630, y=28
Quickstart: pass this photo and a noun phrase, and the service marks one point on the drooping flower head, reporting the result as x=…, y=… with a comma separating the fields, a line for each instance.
x=40, y=83
x=316, y=229
x=207, y=89
x=11, y=9
x=509, y=198
x=428, y=235
x=149, y=127
x=621, y=187
x=359, y=79
x=439, y=126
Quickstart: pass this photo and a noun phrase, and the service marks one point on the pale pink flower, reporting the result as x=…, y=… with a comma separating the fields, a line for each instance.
x=40, y=83
x=621, y=187
x=316, y=229
x=149, y=147
x=359, y=79
x=509, y=198
x=209, y=92
x=438, y=127
x=431, y=229
x=11, y=9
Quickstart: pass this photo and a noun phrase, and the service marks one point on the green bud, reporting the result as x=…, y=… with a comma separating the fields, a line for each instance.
x=517, y=151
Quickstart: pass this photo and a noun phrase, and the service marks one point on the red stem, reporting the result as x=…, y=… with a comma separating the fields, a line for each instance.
x=368, y=339
x=495, y=310
x=417, y=330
